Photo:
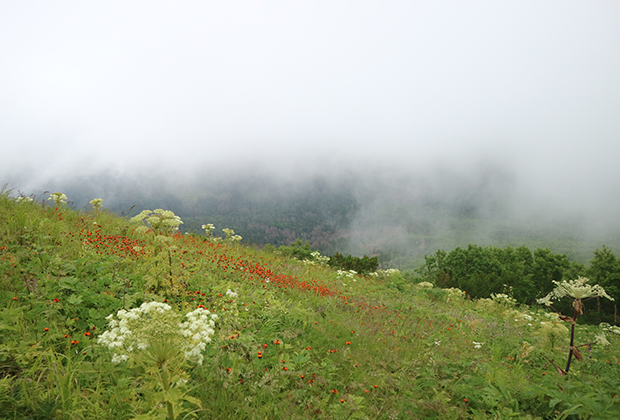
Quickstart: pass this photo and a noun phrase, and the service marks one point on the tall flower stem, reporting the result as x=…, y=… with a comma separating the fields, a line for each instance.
x=166, y=385
x=572, y=342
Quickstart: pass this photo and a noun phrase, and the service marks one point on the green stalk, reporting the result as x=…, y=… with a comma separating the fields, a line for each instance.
x=166, y=386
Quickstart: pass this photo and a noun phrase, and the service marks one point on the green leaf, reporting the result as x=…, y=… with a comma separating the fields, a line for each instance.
x=74, y=300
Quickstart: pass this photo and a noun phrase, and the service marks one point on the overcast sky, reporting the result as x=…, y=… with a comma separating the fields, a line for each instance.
x=533, y=86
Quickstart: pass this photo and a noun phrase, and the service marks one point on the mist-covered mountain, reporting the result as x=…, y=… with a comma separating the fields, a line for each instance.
x=397, y=215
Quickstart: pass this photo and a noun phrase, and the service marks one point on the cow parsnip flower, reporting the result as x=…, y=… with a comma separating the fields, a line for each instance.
x=577, y=289
x=209, y=228
x=503, y=298
x=147, y=327
x=601, y=339
x=159, y=219
x=97, y=203
x=58, y=198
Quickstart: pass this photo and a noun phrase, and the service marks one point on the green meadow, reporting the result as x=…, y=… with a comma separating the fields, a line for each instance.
x=94, y=325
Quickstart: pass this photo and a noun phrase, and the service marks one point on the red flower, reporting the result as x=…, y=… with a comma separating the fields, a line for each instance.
x=46, y=329
x=56, y=300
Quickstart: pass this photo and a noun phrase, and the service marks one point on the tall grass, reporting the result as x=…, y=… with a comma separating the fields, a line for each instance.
x=295, y=342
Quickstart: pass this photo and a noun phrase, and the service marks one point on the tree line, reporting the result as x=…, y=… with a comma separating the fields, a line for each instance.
x=524, y=274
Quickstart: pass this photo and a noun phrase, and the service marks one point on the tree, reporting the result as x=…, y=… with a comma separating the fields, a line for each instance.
x=605, y=271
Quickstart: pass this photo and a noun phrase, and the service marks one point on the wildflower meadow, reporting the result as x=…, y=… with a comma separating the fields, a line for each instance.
x=104, y=317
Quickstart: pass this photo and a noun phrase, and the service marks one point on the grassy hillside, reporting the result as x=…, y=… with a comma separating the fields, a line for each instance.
x=290, y=340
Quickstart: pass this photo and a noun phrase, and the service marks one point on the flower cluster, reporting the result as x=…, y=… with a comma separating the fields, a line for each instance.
x=209, y=228
x=153, y=323
x=58, y=198
x=502, y=298
x=198, y=331
x=455, y=292
x=347, y=274
x=389, y=272
x=577, y=289
x=317, y=258
x=159, y=219
x=610, y=328
x=231, y=237
x=97, y=203
x=425, y=285
x=601, y=339
x=22, y=199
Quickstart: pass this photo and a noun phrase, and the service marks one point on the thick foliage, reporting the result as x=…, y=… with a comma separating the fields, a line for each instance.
x=362, y=265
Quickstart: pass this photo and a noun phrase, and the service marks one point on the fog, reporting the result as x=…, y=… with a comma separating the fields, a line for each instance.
x=512, y=107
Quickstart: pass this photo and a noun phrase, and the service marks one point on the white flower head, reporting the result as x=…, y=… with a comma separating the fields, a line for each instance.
x=601, y=339
x=140, y=328
x=577, y=289
x=97, y=203
x=58, y=198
